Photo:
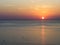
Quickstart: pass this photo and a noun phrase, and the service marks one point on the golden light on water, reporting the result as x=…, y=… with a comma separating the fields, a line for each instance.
x=43, y=35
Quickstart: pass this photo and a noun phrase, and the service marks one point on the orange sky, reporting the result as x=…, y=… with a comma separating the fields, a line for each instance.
x=32, y=8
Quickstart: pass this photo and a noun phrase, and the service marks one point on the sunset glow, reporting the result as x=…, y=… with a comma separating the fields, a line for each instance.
x=29, y=22
x=43, y=18
x=32, y=9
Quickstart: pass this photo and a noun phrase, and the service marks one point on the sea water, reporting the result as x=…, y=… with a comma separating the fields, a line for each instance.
x=29, y=32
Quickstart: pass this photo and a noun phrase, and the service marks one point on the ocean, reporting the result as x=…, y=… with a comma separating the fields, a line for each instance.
x=29, y=32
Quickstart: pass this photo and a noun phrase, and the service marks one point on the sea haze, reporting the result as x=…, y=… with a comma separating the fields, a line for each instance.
x=30, y=32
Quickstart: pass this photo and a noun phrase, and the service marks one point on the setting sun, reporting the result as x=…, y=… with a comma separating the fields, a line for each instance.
x=42, y=17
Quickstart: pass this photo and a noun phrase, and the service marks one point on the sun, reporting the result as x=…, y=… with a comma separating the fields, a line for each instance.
x=42, y=11
x=43, y=18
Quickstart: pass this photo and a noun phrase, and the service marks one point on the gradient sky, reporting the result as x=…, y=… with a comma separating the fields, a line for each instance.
x=29, y=9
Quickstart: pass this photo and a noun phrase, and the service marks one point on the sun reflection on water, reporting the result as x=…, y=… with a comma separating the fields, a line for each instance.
x=43, y=35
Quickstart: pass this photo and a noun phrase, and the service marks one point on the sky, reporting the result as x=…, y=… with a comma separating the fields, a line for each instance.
x=29, y=9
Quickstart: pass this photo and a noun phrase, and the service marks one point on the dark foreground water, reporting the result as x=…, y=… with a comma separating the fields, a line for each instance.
x=29, y=32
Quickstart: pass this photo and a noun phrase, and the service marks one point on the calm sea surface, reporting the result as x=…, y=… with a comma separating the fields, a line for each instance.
x=29, y=32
